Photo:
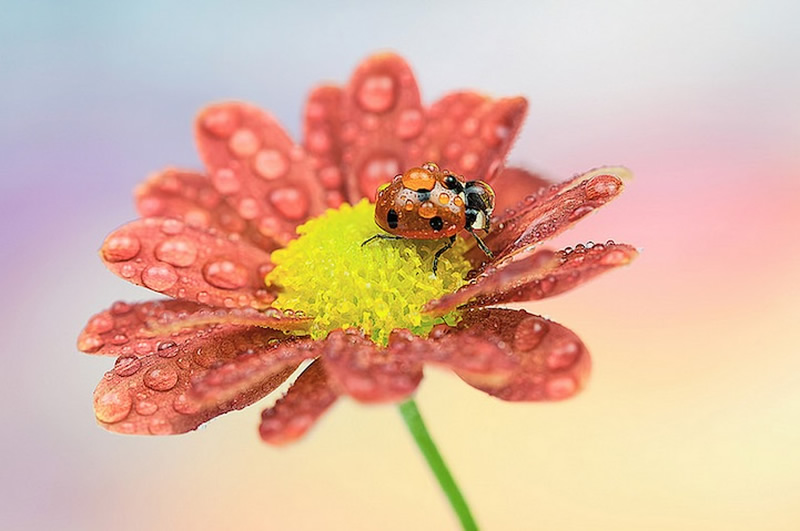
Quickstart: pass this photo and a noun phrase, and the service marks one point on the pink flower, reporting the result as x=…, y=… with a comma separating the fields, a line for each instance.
x=205, y=241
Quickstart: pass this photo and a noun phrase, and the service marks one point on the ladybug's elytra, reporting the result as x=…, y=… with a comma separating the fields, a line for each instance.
x=427, y=203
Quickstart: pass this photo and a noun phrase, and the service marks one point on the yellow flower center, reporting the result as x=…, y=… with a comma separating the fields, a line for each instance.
x=329, y=276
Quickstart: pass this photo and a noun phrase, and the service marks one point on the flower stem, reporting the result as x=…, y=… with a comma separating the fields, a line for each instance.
x=428, y=448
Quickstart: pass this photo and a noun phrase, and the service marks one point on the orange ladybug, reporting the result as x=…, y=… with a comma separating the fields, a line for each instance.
x=427, y=203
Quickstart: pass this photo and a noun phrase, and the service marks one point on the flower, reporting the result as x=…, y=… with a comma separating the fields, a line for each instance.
x=366, y=322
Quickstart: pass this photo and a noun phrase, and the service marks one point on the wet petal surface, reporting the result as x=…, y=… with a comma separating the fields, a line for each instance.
x=553, y=362
x=259, y=171
x=470, y=134
x=148, y=395
x=323, y=142
x=512, y=185
x=269, y=318
x=292, y=416
x=185, y=262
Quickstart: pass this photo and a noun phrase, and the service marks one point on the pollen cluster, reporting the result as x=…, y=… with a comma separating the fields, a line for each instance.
x=327, y=274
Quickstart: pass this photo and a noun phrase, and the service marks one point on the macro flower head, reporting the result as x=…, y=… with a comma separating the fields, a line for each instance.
x=261, y=258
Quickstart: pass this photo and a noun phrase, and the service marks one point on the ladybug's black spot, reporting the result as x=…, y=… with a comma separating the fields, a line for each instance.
x=391, y=219
x=436, y=223
x=423, y=195
x=452, y=183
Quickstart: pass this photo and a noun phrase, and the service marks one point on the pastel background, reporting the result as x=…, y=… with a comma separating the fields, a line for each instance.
x=692, y=417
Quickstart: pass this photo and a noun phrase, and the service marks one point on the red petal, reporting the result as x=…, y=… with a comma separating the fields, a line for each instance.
x=291, y=417
x=184, y=262
x=514, y=183
x=322, y=134
x=204, y=316
x=257, y=168
x=122, y=329
x=470, y=134
x=224, y=381
x=382, y=120
x=190, y=197
x=148, y=395
x=569, y=270
x=358, y=367
x=553, y=362
x=556, y=210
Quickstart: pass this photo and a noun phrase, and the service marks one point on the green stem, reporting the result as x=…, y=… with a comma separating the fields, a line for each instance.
x=428, y=448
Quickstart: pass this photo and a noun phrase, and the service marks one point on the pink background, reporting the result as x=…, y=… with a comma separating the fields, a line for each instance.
x=692, y=417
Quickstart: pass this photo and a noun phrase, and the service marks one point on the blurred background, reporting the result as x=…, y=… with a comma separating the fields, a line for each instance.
x=692, y=417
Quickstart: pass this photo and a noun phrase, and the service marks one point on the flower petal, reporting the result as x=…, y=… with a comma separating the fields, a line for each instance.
x=322, y=140
x=358, y=367
x=204, y=316
x=190, y=197
x=148, y=395
x=224, y=381
x=470, y=134
x=556, y=210
x=570, y=269
x=513, y=183
x=553, y=362
x=122, y=329
x=382, y=122
x=292, y=416
x=185, y=262
x=257, y=168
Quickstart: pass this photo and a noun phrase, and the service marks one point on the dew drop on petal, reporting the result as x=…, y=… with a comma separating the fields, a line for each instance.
x=100, y=323
x=244, y=143
x=113, y=406
x=377, y=93
x=291, y=202
x=161, y=378
x=119, y=339
x=166, y=349
x=127, y=365
x=529, y=334
x=409, y=124
x=469, y=161
x=159, y=277
x=270, y=164
x=225, y=274
x=330, y=177
x=172, y=226
x=375, y=172
x=602, y=187
x=142, y=348
x=225, y=181
x=120, y=308
x=615, y=257
x=146, y=407
x=248, y=208
x=184, y=405
x=179, y=252
x=563, y=355
x=90, y=343
x=318, y=140
x=579, y=212
x=561, y=387
x=121, y=247
x=159, y=426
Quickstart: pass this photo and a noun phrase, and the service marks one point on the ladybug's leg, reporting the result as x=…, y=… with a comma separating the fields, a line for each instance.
x=480, y=243
x=441, y=251
x=381, y=237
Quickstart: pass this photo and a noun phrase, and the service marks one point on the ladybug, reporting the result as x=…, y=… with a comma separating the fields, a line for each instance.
x=427, y=203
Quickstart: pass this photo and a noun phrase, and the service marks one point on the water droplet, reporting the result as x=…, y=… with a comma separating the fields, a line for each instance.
x=226, y=274
x=198, y=218
x=330, y=177
x=270, y=164
x=248, y=208
x=121, y=247
x=427, y=210
x=172, y=226
x=150, y=206
x=469, y=161
x=244, y=143
x=409, y=124
x=220, y=122
x=291, y=202
x=166, y=349
x=614, y=258
x=529, y=334
x=602, y=187
x=185, y=406
x=127, y=365
x=127, y=271
x=318, y=140
x=183, y=363
x=90, y=343
x=119, y=339
x=563, y=356
x=377, y=170
x=142, y=348
x=579, y=212
x=159, y=426
x=444, y=198
x=561, y=387
x=159, y=277
x=377, y=93
x=113, y=406
x=100, y=323
x=146, y=407
x=161, y=378
x=409, y=206
x=179, y=252
x=120, y=308
x=225, y=181
x=470, y=126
